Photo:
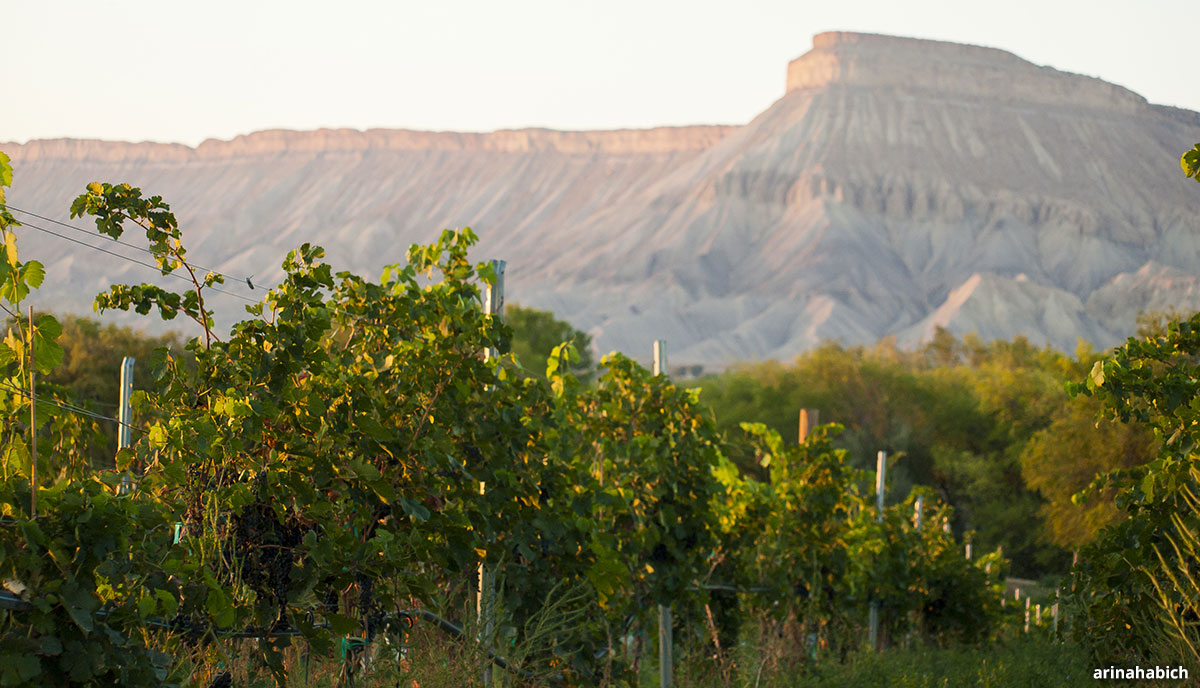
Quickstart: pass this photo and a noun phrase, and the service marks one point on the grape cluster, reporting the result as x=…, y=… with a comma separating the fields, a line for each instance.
x=265, y=548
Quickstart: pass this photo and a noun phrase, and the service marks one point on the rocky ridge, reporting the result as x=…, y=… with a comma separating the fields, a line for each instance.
x=278, y=141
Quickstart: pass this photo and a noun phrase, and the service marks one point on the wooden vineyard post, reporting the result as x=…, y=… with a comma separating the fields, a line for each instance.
x=125, y=415
x=880, y=482
x=916, y=619
x=33, y=481
x=493, y=304
x=809, y=419
x=1027, y=601
x=666, y=638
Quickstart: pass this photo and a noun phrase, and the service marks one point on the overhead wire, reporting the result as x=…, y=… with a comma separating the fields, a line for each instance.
x=67, y=406
x=159, y=270
x=136, y=261
x=143, y=263
x=123, y=243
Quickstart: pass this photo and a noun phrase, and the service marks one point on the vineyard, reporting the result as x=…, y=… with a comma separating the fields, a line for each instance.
x=361, y=470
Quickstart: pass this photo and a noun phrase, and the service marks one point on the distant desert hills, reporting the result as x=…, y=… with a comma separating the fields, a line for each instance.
x=897, y=186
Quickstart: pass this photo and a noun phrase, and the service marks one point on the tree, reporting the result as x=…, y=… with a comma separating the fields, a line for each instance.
x=93, y=352
x=1065, y=457
x=535, y=335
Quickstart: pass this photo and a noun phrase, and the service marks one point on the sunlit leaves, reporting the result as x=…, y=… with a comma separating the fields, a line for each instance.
x=6, y=172
x=114, y=204
x=10, y=249
x=17, y=278
x=1190, y=162
x=32, y=273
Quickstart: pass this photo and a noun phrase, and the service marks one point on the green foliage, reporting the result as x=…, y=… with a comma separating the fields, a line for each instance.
x=91, y=566
x=815, y=553
x=16, y=278
x=348, y=451
x=91, y=569
x=642, y=453
x=788, y=534
x=114, y=205
x=651, y=452
x=971, y=420
x=1136, y=586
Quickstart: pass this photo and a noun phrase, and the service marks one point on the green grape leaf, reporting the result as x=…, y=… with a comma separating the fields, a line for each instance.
x=82, y=618
x=51, y=646
x=33, y=273
x=48, y=326
x=124, y=458
x=166, y=602
x=47, y=353
x=220, y=606
x=146, y=606
x=27, y=667
x=341, y=625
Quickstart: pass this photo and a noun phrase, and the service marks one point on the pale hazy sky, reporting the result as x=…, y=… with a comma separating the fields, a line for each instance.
x=163, y=70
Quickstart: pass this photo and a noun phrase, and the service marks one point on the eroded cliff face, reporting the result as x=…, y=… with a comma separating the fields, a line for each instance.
x=898, y=185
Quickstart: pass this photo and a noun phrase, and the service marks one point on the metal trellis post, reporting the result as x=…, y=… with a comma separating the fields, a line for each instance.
x=493, y=304
x=125, y=415
x=880, y=482
x=666, y=638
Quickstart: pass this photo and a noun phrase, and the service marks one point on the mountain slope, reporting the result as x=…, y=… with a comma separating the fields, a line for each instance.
x=898, y=185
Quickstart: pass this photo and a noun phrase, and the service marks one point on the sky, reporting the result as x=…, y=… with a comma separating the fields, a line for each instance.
x=148, y=70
